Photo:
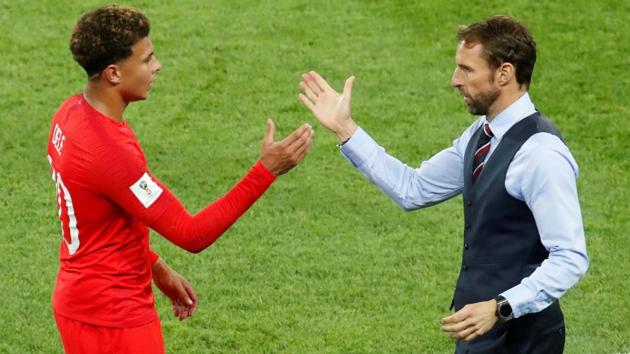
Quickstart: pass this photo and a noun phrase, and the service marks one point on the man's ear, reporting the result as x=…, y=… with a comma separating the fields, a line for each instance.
x=111, y=74
x=505, y=73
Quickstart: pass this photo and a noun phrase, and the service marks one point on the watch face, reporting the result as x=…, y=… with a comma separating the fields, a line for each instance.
x=505, y=310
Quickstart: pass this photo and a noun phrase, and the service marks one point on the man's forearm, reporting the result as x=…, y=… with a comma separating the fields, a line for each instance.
x=410, y=188
x=557, y=274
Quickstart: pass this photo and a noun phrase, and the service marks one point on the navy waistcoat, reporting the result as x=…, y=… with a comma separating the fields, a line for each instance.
x=501, y=242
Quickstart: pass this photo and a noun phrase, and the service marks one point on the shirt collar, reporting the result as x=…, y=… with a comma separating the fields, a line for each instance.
x=521, y=108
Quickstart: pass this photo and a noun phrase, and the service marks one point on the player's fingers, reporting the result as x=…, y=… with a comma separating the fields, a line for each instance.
x=184, y=312
x=193, y=296
x=182, y=293
x=269, y=133
x=321, y=83
x=303, y=139
x=191, y=293
x=303, y=150
x=177, y=309
x=307, y=90
x=297, y=133
x=300, y=153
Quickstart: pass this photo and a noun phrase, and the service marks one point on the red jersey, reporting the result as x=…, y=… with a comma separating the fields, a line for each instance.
x=107, y=199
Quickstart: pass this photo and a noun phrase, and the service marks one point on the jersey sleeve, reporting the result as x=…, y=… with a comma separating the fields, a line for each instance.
x=124, y=178
x=195, y=233
x=119, y=172
x=153, y=257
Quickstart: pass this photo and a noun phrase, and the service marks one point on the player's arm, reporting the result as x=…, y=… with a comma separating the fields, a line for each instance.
x=194, y=233
x=122, y=176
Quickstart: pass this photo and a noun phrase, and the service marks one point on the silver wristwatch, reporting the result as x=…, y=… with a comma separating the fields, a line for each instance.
x=504, y=310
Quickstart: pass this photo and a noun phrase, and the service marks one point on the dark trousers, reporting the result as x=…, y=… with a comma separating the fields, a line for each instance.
x=538, y=333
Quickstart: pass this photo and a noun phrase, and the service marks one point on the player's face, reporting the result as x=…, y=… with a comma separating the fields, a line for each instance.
x=138, y=71
x=474, y=78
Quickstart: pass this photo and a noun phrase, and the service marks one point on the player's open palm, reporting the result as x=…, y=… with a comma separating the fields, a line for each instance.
x=330, y=108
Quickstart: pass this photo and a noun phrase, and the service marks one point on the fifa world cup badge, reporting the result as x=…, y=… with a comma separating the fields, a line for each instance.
x=145, y=187
x=146, y=190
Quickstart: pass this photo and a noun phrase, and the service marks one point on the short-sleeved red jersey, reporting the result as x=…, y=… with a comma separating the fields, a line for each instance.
x=104, y=276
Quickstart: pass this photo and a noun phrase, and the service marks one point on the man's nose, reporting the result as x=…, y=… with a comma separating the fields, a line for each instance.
x=455, y=82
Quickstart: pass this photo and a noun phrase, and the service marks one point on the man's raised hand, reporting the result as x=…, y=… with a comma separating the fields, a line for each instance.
x=330, y=108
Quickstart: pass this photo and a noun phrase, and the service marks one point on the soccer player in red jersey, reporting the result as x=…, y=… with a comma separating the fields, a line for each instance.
x=108, y=199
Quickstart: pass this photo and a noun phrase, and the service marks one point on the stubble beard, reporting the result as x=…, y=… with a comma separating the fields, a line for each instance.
x=480, y=104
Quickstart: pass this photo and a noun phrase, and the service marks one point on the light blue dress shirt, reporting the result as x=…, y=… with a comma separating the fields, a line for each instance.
x=542, y=174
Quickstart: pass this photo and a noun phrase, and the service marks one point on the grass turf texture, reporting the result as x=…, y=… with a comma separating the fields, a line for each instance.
x=324, y=262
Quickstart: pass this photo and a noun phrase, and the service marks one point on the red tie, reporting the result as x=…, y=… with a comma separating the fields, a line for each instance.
x=483, y=147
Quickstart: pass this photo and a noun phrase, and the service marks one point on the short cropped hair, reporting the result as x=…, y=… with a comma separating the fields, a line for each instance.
x=105, y=36
x=504, y=40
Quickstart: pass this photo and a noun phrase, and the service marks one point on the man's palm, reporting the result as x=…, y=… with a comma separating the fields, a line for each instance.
x=330, y=108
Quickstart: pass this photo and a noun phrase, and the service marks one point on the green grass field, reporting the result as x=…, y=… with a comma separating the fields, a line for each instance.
x=324, y=263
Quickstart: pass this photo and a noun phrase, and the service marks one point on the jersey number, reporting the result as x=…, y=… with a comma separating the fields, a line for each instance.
x=66, y=212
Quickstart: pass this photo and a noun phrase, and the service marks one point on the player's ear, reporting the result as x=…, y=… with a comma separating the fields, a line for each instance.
x=111, y=74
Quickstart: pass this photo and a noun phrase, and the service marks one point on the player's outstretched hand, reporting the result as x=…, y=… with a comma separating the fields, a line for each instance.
x=330, y=108
x=176, y=288
x=281, y=156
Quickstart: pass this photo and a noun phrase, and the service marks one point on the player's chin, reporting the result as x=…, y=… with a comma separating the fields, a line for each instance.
x=142, y=96
x=147, y=92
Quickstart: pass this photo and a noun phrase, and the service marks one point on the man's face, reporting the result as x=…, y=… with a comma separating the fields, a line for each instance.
x=474, y=78
x=138, y=71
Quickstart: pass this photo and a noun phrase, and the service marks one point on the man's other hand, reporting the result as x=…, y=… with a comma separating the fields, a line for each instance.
x=471, y=321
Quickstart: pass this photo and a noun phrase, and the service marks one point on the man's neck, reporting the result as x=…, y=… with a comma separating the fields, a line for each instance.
x=505, y=100
x=105, y=100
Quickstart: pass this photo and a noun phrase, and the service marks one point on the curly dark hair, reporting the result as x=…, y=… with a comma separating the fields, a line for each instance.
x=504, y=40
x=105, y=36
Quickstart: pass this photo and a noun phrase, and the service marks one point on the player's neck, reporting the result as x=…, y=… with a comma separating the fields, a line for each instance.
x=105, y=100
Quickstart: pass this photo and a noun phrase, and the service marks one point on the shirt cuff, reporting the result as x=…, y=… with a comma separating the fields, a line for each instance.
x=359, y=147
x=519, y=299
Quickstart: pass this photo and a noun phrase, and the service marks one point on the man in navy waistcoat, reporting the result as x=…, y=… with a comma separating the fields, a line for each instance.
x=523, y=245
